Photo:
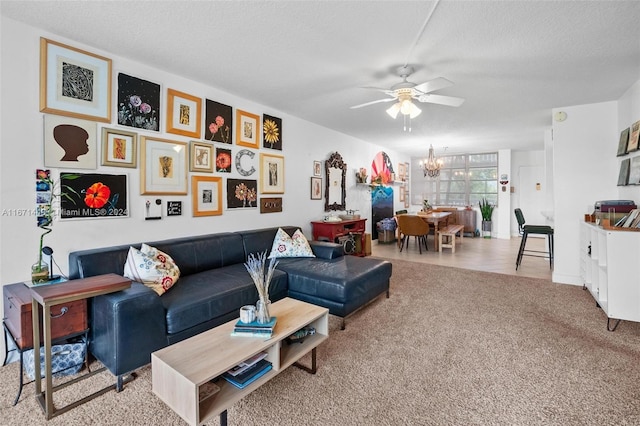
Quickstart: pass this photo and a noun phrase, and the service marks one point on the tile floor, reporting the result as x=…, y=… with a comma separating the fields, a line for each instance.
x=482, y=254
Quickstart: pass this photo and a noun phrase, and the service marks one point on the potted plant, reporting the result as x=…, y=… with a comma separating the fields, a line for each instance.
x=486, y=210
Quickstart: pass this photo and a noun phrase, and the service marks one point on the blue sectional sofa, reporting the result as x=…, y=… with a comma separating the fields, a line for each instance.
x=127, y=326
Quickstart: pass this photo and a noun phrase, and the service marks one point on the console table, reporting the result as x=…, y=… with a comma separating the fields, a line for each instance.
x=336, y=231
x=47, y=297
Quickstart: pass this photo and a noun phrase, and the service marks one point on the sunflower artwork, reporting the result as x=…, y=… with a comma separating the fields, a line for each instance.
x=93, y=195
x=271, y=132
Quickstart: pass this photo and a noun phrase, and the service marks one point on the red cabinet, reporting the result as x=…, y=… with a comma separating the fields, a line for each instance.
x=349, y=233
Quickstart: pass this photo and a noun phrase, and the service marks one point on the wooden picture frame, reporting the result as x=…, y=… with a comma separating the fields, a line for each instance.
x=184, y=114
x=317, y=168
x=74, y=82
x=402, y=194
x=119, y=148
x=270, y=205
x=316, y=188
x=163, y=166
x=271, y=174
x=206, y=195
x=247, y=129
x=200, y=157
x=70, y=142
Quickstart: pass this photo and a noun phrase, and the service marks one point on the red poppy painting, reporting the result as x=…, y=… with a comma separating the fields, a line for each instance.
x=93, y=195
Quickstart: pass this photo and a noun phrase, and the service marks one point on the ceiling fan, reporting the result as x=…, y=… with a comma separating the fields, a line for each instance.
x=404, y=92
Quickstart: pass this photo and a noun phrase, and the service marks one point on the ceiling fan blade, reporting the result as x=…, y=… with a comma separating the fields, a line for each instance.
x=433, y=85
x=441, y=99
x=380, y=89
x=373, y=102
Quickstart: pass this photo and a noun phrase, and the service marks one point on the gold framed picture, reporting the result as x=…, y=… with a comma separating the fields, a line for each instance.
x=200, y=157
x=163, y=166
x=184, y=114
x=271, y=174
x=119, y=148
x=74, y=83
x=247, y=129
x=206, y=195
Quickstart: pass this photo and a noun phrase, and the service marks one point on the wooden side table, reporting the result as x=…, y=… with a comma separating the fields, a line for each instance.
x=67, y=320
x=47, y=297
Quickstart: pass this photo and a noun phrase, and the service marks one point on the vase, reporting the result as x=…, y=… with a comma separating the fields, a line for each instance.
x=262, y=311
x=486, y=228
x=39, y=272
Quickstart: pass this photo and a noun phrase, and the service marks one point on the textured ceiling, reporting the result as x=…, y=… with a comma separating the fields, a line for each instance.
x=511, y=60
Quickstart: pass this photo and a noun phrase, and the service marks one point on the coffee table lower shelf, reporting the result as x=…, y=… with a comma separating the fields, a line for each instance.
x=179, y=370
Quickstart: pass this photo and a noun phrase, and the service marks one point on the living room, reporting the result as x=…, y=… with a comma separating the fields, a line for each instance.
x=591, y=131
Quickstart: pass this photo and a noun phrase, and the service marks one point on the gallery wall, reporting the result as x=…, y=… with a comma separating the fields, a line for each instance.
x=21, y=153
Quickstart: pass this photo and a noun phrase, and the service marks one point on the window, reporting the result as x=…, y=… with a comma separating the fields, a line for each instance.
x=464, y=180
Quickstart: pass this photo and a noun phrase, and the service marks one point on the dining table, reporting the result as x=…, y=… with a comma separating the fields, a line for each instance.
x=434, y=218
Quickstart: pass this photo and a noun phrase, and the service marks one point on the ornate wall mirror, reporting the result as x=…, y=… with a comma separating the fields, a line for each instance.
x=336, y=172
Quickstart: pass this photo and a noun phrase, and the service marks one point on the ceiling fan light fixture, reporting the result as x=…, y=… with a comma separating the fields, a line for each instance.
x=394, y=110
x=414, y=111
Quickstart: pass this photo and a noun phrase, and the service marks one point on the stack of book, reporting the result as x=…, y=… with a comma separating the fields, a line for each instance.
x=248, y=371
x=254, y=329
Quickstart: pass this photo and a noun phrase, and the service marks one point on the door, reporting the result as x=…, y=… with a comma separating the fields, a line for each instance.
x=532, y=195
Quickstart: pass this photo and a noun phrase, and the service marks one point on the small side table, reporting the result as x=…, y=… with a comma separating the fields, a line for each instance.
x=47, y=297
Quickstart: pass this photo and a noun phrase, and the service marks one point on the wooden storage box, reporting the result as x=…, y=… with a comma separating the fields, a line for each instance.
x=19, y=320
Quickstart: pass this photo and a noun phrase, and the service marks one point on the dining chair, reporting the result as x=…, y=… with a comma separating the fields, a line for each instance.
x=525, y=231
x=413, y=226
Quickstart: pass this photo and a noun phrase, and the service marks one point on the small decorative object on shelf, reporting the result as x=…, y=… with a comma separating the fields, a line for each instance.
x=361, y=175
x=255, y=266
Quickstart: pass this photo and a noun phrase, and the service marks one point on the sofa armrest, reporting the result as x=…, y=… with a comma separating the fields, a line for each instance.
x=126, y=327
x=326, y=250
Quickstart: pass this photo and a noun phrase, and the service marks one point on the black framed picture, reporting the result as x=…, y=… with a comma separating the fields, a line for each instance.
x=93, y=195
x=138, y=103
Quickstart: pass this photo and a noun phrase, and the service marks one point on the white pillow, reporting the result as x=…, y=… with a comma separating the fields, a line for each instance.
x=286, y=246
x=151, y=267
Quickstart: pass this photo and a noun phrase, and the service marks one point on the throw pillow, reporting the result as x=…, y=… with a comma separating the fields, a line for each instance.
x=151, y=267
x=294, y=246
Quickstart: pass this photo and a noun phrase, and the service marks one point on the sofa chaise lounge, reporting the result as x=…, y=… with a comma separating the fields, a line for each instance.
x=127, y=326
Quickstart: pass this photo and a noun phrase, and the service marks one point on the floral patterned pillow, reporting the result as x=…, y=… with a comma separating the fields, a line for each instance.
x=286, y=246
x=151, y=267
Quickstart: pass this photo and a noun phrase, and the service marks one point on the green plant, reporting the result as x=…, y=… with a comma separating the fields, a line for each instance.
x=486, y=209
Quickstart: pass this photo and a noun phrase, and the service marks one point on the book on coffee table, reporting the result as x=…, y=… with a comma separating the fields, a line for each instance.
x=247, y=363
x=256, y=324
x=250, y=375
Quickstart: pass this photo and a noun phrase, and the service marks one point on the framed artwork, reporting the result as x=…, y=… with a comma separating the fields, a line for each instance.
x=402, y=172
x=184, y=114
x=634, y=171
x=271, y=174
x=316, y=188
x=624, y=141
x=70, y=142
x=270, y=205
x=200, y=157
x=44, y=197
x=174, y=208
x=206, y=195
x=242, y=193
x=223, y=160
x=244, y=165
x=119, y=148
x=623, y=176
x=74, y=83
x=247, y=129
x=402, y=194
x=218, y=122
x=271, y=132
x=633, y=137
x=93, y=195
x=163, y=166
x=138, y=103
x=317, y=168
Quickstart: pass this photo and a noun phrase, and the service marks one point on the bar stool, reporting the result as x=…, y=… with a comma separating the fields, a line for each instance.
x=525, y=231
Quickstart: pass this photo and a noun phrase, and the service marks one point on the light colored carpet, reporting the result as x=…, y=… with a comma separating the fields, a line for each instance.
x=449, y=347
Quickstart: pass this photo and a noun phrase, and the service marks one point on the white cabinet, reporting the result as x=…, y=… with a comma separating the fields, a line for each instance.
x=610, y=270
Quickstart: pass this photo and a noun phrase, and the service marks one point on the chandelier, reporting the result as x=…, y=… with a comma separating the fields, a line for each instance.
x=431, y=165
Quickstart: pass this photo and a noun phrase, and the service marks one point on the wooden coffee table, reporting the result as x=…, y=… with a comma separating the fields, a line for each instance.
x=179, y=370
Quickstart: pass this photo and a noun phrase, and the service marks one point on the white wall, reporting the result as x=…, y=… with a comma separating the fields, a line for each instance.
x=520, y=160
x=585, y=170
x=21, y=153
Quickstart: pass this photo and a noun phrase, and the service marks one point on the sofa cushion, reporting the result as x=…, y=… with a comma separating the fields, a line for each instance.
x=290, y=246
x=260, y=240
x=210, y=294
x=151, y=267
